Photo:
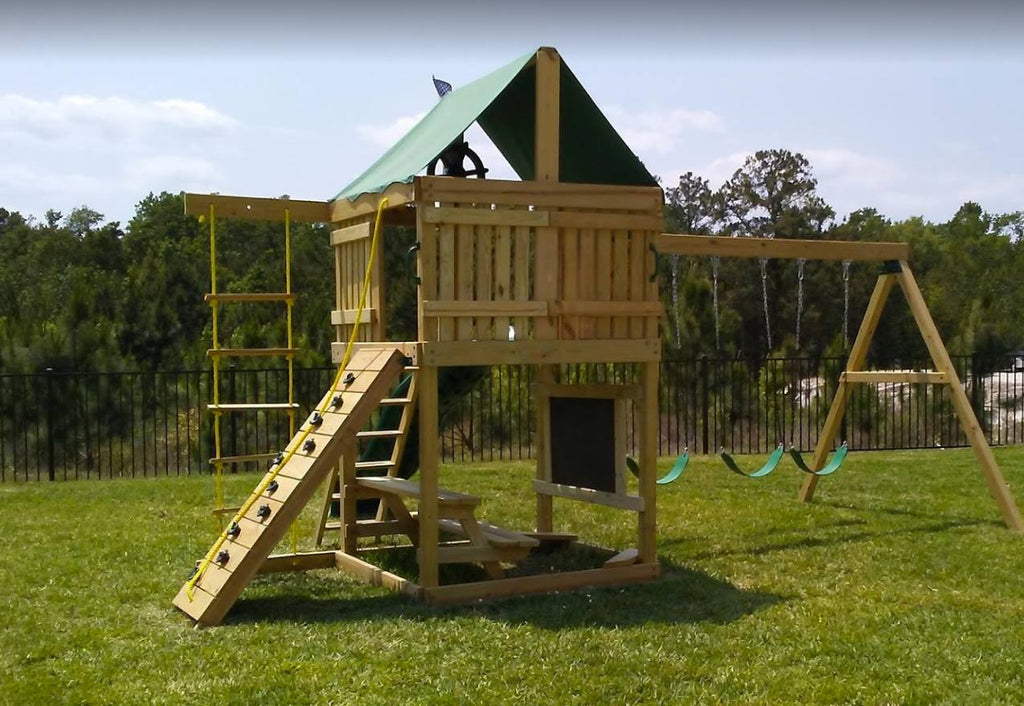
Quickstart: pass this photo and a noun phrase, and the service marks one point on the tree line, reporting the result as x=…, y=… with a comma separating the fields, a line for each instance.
x=81, y=294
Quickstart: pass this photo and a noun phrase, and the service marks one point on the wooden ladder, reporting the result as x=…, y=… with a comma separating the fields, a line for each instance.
x=390, y=466
x=242, y=549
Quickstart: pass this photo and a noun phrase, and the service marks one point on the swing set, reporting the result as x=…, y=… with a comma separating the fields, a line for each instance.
x=894, y=271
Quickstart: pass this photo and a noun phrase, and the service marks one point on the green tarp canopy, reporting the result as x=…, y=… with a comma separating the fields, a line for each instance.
x=503, y=103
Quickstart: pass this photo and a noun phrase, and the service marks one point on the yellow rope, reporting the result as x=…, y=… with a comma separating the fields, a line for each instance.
x=190, y=587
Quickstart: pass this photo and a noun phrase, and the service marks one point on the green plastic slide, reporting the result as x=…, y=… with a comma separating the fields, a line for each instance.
x=837, y=460
x=761, y=472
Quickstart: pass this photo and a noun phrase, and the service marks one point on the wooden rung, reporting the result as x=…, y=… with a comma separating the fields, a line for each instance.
x=251, y=352
x=333, y=525
x=244, y=458
x=880, y=376
x=257, y=406
x=395, y=401
x=250, y=297
x=374, y=465
x=225, y=510
x=382, y=434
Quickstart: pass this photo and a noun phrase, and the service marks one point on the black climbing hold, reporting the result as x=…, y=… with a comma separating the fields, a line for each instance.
x=349, y=378
x=193, y=572
x=316, y=420
x=309, y=446
x=234, y=530
x=406, y=360
x=337, y=401
x=276, y=461
x=264, y=512
x=272, y=487
x=223, y=557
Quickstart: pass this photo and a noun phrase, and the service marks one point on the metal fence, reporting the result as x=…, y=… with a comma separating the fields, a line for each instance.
x=103, y=425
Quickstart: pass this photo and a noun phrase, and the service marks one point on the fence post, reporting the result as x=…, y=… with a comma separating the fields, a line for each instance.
x=50, y=403
x=977, y=395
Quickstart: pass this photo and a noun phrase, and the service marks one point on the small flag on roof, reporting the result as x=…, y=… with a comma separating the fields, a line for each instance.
x=443, y=88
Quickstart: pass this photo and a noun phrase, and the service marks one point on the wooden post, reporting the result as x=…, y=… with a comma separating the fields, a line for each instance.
x=545, y=503
x=347, y=471
x=858, y=354
x=968, y=421
x=546, y=166
x=429, y=461
x=647, y=521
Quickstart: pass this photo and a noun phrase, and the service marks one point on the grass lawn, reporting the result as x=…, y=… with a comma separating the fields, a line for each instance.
x=899, y=585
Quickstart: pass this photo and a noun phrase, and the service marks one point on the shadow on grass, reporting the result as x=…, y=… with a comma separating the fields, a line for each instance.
x=680, y=596
x=838, y=539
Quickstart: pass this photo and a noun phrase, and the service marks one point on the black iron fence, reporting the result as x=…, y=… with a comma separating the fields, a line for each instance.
x=102, y=425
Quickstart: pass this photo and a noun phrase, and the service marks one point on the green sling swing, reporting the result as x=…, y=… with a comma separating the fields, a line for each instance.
x=764, y=470
x=837, y=460
x=672, y=475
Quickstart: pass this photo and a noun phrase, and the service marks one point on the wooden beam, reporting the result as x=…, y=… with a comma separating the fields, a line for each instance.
x=538, y=194
x=256, y=209
x=375, y=576
x=647, y=522
x=358, y=231
x=546, y=583
x=546, y=146
x=587, y=495
x=884, y=376
x=779, y=248
x=430, y=455
x=607, y=308
x=485, y=216
x=484, y=308
x=541, y=352
x=968, y=421
x=627, y=557
x=297, y=562
x=397, y=194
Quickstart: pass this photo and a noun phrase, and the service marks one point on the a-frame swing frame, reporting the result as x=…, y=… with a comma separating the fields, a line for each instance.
x=944, y=373
x=895, y=270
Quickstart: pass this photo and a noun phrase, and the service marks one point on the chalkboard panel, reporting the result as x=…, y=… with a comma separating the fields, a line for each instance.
x=583, y=442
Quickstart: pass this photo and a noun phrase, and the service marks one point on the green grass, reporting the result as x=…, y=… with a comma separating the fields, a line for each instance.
x=899, y=585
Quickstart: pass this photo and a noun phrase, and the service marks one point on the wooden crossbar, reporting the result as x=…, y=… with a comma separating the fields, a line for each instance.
x=882, y=376
x=780, y=248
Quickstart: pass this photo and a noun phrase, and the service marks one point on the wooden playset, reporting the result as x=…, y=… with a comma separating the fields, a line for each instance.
x=557, y=268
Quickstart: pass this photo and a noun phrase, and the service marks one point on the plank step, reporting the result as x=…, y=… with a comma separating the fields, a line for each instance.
x=374, y=465
x=411, y=489
x=249, y=297
x=395, y=401
x=225, y=510
x=381, y=434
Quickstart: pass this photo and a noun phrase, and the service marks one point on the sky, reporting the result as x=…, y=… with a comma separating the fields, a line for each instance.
x=909, y=108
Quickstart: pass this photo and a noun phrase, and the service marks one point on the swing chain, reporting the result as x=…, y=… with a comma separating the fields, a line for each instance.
x=714, y=299
x=764, y=300
x=846, y=303
x=799, y=296
x=675, y=298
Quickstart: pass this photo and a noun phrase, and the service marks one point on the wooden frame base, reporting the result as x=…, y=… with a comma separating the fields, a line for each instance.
x=612, y=574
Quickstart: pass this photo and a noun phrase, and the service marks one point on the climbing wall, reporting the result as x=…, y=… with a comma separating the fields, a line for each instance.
x=281, y=495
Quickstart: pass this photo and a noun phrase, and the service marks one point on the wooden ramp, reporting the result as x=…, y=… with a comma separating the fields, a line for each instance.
x=241, y=550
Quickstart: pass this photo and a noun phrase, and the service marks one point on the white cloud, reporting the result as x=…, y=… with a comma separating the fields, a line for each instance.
x=106, y=118
x=173, y=170
x=387, y=135
x=658, y=131
x=849, y=169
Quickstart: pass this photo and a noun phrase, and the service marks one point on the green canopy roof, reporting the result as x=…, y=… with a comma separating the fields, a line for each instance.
x=503, y=103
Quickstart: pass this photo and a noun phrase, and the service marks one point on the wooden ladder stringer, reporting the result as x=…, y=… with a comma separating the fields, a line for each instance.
x=334, y=491
x=241, y=550
x=944, y=374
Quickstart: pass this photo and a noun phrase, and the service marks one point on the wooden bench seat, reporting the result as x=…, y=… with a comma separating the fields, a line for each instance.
x=410, y=489
x=496, y=536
